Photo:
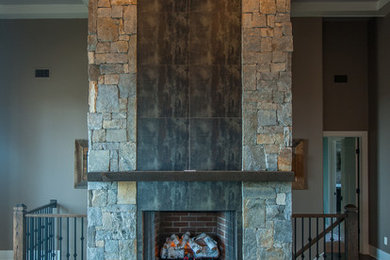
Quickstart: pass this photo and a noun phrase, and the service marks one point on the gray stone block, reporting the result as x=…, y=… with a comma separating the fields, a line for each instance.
x=98, y=161
x=95, y=253
x=94, y=217
x=127, y=85
x=127, y=156
x=107, y=99
x=95, y=121
x=117, y=135
x=266, y=117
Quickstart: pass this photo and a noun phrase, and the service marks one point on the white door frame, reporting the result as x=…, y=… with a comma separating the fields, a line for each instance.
x=364, y=191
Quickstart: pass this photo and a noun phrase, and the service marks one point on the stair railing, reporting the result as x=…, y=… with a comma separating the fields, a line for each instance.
x=42, y=233
x=314, y=235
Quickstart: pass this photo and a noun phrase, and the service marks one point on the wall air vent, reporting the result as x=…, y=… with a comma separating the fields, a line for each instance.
x=42, y=73
x=340, y=79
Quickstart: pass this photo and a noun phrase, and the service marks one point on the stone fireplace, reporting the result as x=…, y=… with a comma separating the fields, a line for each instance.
x=189, y=117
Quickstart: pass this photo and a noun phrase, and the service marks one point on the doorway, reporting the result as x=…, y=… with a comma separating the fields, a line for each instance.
x=341, y=172
x=345, y=173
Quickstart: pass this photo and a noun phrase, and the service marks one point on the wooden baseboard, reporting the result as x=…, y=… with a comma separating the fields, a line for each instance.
x=378, y=253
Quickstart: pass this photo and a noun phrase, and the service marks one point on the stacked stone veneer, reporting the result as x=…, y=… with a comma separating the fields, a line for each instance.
x=266, y=113
x=266, y=98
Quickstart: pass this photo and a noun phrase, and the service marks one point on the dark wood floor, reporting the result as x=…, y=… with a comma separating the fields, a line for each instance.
x=366, y=257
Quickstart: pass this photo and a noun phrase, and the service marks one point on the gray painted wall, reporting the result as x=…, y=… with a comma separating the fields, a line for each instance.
x=40, y=118
x=307, y=107
x=346, y=53
x=380, y=215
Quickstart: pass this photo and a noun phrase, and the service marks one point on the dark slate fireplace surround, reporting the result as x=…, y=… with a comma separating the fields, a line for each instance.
x=177, y=86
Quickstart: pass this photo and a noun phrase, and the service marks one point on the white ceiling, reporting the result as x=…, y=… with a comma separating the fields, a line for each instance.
x=22, y=9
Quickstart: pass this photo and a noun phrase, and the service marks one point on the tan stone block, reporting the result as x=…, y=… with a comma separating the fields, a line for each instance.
x=125, y=68
x=267, y=6
x=278, y=67
x=92, y=16
x=125, y=38
x=107, y=29
x=267, y=106
x=287, y=28
x=104, y=12
x=111, y=79
x=279, y=56
x=120, y=46
x=259, y=20
x=103, y=3
x=93, y=91
x=130, y=19
x=271, y=148
x=132, y=59
x=123, y=2
x=281, y=6
x=101, y=58
x=267, y=32
x=91, y=57
x=103, y=47
x=250, y=6
x=284, y=43
x=285, y=159
x=127, y=192
x=264, y=139
x=270, y=20
x=116, y=11
x=247, y=20
x=266, y=45
x=278, y=30
x=282, y=18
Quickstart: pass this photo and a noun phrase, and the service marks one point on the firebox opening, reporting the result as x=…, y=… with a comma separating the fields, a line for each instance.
x=217, y=225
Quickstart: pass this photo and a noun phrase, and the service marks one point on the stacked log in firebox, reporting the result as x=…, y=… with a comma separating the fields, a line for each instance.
x=201, y=246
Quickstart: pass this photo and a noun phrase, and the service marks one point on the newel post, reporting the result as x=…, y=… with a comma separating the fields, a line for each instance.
x=352, y=232
x=18, y=230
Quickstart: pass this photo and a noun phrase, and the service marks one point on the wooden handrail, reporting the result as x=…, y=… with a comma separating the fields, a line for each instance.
x=321, y=235
x=310, y=215
x=56, y=215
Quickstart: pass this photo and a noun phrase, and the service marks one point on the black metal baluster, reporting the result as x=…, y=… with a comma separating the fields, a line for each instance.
x=82, y=238
x=32, y=238
x=67, y=239
x=295, y=238
x=46, y=238
x=27, y=237
x=317, y=255
x=60, y=238
x=309, y=238
x=39, y=238
x=303, y=235
x=75, y=239
x=324, y=226
x=339, y=241
x=36, y=239
x=331, y=238
x=345, y=240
